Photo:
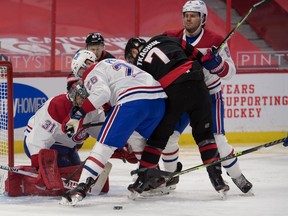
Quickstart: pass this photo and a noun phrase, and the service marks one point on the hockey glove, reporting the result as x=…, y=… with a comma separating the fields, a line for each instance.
x=125, y=154
x=213, y=62
x=73, y=121
x=107, y=107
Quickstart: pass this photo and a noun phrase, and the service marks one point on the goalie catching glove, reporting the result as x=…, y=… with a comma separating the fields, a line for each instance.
x=73, y=121
x=214, y=63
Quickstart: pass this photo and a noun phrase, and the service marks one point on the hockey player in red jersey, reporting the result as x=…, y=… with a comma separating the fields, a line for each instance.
x=194, y=17
x=168, y=60
x=95, y=43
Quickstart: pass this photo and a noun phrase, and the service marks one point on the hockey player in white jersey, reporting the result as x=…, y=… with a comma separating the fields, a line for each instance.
x=45, y=141
x=217, y=67
x=44, y=130
x=46, y=144
x=138, y=104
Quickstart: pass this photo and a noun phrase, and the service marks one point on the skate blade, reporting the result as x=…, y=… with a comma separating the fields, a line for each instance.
x=223, y=194
x=75, y=199
x=133, y=195
x=249, y=193
x=156, y=192
x=171, y=187
x=65, y=202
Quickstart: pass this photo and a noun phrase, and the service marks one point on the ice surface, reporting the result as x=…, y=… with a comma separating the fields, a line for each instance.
x=267, y=169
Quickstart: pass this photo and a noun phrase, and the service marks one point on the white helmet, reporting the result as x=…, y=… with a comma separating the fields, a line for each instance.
x=79, y=60
x=197, y=6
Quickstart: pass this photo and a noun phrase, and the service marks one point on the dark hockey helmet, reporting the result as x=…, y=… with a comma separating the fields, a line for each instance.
x=94, y=38
x=135, y=43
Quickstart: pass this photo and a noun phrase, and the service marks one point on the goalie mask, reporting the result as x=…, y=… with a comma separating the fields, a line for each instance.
x=133, y=43
x=75, y=89
x=196, y=6
x=79, y=61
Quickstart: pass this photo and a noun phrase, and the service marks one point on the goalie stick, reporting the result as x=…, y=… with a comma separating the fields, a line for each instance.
x=238, y=24
x=96, y=187
x=92, y=124
x=166, y=176
x=70, y=184
x=75, y=171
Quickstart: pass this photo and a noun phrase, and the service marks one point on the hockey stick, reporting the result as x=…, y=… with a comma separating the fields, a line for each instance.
x=75, y=171
x=15, y=170
x=228, y=157
x=92, y=124
x=70, y=184
x=158, y=174
x=238, y=24
x=95, y=188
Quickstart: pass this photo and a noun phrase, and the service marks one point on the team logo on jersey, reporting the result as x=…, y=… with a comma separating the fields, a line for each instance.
x=80, y=136
x=27, y=100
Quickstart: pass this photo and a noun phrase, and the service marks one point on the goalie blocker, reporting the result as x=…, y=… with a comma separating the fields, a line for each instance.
x=49, y=181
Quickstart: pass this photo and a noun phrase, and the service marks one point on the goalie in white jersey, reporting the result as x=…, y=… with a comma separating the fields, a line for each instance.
x=138, y=104
x=52, y=153
x=44, y=130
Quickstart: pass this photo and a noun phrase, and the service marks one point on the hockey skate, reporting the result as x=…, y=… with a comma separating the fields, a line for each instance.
x=243, y=184
x=217, y=181
x=148, y=179
x=164, y=189
x=78, y=193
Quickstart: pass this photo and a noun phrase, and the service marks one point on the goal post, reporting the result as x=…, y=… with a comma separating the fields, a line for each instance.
x=6, y=121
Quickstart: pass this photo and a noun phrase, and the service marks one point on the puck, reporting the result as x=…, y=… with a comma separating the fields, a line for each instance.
x=118, y=207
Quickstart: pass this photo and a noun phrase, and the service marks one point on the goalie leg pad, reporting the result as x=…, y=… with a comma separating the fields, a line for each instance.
x=21, y=185
x=48, y=169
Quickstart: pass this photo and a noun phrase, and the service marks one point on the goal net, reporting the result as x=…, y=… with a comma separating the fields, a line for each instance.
x=6, y=122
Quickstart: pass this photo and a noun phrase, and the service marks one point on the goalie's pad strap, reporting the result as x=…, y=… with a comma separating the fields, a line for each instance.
x=48, y=169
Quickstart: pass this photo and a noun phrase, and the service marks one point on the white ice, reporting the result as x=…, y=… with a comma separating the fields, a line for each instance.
x=267, y=169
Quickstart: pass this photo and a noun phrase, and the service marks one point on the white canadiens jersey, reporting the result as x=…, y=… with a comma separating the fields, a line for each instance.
x=44, y=128
x=117, y=82
x=206, y=40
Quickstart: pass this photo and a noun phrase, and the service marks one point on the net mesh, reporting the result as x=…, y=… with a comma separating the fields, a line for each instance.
x=3, y=124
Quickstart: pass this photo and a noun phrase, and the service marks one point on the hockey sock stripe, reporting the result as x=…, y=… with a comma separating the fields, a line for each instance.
x=147, y=165
x=171, y=160
x=89, y=169
x=208, y=147
x=152, y=150
x=231, y=164
x=96, y=161
x=170, y=153
x=150, y=154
